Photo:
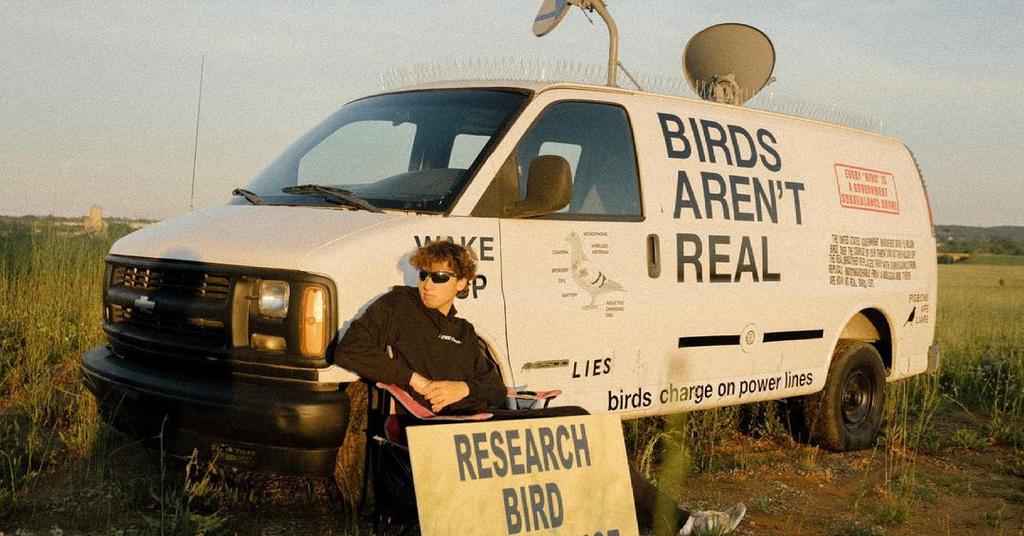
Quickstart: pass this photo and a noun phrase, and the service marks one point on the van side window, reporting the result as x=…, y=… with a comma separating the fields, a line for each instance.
x=597, y=142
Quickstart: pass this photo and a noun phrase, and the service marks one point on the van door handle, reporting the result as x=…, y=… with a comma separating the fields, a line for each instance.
x=653, y=256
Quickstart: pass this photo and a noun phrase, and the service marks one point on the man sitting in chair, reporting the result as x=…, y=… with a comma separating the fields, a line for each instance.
x=438, y=359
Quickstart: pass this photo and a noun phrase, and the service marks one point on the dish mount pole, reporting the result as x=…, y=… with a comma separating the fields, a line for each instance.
x=613, y=35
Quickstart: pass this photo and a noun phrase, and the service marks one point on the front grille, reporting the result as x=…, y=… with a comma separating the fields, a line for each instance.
x=170, y=303
x=184, y=283
x=202, y=331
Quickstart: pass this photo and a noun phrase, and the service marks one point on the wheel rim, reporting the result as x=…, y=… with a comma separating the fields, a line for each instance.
x=858, y=398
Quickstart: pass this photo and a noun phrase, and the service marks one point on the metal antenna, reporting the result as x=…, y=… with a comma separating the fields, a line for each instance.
x=195, y=148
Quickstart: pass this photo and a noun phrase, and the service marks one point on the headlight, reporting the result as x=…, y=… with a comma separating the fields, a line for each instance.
x=273, y=298
x=313, y=323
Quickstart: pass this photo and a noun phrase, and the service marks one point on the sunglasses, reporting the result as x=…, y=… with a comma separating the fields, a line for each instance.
x=438, y=278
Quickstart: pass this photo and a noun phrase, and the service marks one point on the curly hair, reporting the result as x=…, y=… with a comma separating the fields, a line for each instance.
x=460, y=258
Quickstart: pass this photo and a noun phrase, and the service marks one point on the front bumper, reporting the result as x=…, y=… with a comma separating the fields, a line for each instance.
x=283, y=427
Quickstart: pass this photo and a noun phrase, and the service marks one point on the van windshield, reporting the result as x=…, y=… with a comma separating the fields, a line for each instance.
x=407, y=151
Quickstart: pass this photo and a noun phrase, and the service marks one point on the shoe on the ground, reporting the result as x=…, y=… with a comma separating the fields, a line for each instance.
x=711, y=522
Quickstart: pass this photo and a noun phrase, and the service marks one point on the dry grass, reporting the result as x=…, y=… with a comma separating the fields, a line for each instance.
x=50, y=287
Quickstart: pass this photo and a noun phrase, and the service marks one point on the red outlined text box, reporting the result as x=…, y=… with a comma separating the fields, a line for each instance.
x=867, y=189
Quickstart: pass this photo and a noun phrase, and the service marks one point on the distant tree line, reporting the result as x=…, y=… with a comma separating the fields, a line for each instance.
x=995, y=245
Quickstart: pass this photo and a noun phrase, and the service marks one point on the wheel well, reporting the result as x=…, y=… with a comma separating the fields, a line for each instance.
x=871, y=326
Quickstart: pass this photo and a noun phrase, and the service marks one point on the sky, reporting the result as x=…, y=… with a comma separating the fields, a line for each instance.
x=98, y=99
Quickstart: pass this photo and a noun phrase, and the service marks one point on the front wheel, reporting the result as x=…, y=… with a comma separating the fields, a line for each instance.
x=847, y=413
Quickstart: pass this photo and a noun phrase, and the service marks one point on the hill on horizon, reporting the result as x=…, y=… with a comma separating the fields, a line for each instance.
x=1013, y=232
x=1000, y=240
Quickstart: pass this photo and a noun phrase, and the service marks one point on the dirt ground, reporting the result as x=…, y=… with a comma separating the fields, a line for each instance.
x=957, y=487
x=795, y=489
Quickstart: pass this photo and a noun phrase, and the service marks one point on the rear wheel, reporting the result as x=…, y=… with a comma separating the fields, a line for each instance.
x=847, y=413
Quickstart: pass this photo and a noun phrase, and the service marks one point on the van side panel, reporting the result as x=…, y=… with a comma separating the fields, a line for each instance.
x=762, y=236
x=775, y=232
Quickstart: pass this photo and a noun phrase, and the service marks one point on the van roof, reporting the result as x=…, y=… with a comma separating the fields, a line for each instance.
x=533, y=86
x=538, y=86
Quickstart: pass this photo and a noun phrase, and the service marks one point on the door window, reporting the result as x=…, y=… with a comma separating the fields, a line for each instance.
x=597, y=142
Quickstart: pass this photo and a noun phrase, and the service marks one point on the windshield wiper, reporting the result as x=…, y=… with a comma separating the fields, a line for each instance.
x=249, y=196
x=337, y=195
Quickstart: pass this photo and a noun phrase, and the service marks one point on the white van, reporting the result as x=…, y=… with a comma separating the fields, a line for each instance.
x=643, y=253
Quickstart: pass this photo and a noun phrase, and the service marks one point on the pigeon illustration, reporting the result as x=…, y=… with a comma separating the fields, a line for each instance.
x=910, y=319
x=589, y=277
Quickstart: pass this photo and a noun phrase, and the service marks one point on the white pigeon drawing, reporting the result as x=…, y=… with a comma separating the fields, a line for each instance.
x=589, y=277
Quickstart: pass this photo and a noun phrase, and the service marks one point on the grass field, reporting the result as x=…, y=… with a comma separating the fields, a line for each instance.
x=1001, y=260
x=59, y=467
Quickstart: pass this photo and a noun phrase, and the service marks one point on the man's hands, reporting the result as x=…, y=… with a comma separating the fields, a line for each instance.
x=440, y=393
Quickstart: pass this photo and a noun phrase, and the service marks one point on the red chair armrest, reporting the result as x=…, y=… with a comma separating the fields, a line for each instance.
x=531, y=400
x=423, y=413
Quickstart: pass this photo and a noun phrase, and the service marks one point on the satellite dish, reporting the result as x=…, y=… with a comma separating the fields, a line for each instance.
x=550, y=14
x=728, y=63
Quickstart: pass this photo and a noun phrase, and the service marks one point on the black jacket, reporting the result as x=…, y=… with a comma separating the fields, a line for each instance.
x=423, y=340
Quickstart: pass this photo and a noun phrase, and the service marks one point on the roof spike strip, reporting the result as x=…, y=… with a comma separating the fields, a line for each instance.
x=566, y=70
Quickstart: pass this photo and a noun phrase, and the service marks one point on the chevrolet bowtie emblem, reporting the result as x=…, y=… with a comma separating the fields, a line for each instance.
x=144, y=304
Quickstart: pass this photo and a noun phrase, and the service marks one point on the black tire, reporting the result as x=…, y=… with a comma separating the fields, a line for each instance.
x=847, y=414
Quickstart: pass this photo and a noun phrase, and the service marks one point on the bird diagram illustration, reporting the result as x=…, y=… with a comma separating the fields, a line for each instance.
x=589, y=277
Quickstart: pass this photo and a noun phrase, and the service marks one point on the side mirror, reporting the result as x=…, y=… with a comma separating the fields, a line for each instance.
x=548, y=188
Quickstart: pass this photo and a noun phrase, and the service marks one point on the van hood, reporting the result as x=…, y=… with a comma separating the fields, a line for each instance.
x=248, y=235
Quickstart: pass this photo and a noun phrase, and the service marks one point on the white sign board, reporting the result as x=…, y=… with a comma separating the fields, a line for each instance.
x=565, y=475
